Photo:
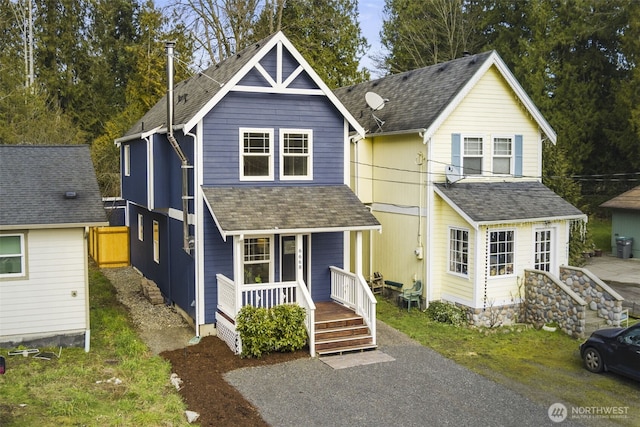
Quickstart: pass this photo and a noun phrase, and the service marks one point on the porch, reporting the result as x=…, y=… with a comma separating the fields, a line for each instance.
x=346, y=323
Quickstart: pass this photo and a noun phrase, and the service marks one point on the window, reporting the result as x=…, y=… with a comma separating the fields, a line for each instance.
x=472, y=159
x=501, y=253
x=502, y=151
x=12, y=255
x=257, y=260
x=256, y=159
x=458, y=251
x=156, y=242
x=295, y=154
x=543, y=250
x=127, y=160
x=140, y=227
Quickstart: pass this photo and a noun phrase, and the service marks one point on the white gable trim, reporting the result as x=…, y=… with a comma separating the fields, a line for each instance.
x=494, y=59
x=279, y=41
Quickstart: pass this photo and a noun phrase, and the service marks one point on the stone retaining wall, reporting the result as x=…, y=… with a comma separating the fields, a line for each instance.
x=492, y=317
x=597, y=294
x=548, y=300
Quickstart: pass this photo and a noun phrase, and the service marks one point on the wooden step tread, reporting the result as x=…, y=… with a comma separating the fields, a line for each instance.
x=341, y=328
x=344, y=339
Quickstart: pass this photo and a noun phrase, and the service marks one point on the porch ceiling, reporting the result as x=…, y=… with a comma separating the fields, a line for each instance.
x=494, y=202
x=287, y=209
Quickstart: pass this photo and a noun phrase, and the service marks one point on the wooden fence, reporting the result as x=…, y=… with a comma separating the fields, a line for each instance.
x=109, y=246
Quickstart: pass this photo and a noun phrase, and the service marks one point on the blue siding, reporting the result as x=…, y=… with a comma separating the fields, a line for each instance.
x=221, y=130
x=142, y=252
x=218, y=259
x=326, y=250
x=270, y=63
x=253, y=78
x=303, y=81
x=134, y=186
x=168, y=171
x=181, y=286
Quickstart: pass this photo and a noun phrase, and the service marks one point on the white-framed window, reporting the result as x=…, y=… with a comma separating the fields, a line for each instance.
x=501, y=252
x=296, y=154
x=126, y=149
x=257, y=256
x=140, y=227
x=12, y=256
x=156, y=242
x=459, y=251
x=543, y=250
x=256, y=154
x=472, y=153
x=502, y=155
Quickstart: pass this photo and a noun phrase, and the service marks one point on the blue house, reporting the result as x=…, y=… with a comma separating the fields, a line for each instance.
x=244, y=199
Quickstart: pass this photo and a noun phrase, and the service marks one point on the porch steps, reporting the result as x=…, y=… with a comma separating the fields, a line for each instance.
x=339, y=330
x=593, y=322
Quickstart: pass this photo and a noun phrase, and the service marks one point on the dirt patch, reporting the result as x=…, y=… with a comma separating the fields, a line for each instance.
x=201, y=366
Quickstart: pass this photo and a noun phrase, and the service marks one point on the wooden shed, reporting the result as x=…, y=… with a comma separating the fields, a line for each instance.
x=625, y=219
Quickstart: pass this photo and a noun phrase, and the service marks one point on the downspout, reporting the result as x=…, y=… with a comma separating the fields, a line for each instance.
x=199, y=285
x=429, y=208
x=186, y=240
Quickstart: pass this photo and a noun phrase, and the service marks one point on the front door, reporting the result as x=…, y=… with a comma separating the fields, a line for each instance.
x=294, y=258
x=543, y=251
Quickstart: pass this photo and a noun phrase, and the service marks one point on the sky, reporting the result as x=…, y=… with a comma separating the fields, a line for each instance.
x=370, y=19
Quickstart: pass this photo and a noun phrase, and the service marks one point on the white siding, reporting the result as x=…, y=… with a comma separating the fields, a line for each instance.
x=43, y=304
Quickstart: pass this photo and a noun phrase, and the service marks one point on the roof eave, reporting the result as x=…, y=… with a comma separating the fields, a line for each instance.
x=57, y=225
x=269, y=231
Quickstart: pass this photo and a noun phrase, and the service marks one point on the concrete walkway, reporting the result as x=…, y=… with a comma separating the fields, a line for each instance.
x=623, y=275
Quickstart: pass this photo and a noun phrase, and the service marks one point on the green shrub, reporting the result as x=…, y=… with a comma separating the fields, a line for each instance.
x=446, y=313
x=290, y=332
x=262, y=330
x=255, y=326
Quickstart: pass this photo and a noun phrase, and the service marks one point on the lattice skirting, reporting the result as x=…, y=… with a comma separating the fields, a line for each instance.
x=227, y=332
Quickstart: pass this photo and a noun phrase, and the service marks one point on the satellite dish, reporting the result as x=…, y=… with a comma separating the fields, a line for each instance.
x=453, y=174
x=375, y=101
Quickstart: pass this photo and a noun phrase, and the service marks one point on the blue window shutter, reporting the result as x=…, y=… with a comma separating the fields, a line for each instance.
x=517, y=170
x=456, y=159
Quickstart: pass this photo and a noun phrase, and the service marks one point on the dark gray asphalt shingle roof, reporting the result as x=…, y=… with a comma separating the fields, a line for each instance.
x=192, y=94
x=34, y=179
x=416, y=98
x=508, y=201
x=249, y=208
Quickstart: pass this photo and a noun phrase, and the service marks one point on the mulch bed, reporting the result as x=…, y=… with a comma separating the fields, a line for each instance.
x=204, y=390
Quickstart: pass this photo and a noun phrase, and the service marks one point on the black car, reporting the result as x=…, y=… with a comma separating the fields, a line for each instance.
x=615, y=349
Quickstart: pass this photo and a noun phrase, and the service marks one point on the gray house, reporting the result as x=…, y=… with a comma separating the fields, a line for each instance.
x=49, y=197
x=625, y=221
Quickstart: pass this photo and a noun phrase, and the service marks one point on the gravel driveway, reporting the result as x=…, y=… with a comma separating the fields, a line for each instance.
x=418, y=388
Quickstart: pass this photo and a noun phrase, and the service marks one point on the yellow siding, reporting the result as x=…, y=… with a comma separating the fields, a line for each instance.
x=490, y=109
x=393, y=253
x=446, y=285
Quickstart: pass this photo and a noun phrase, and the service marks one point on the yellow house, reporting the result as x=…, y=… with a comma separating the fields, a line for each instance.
x=451, y=166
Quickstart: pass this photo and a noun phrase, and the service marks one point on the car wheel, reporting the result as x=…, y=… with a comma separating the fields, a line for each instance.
x=593, y=361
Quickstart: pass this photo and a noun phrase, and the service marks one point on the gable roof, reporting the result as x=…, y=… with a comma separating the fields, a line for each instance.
x=506, y=202
x=287, y=209
x=422, y=99
x=627, y=200
x=197, y=95
x=33, y=183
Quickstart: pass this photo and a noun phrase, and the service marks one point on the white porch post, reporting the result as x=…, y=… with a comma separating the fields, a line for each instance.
x=238, y=272
x=358, y=265
x=299, y=258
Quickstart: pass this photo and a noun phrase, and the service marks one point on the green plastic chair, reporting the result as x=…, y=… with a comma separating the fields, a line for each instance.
x=412, y=295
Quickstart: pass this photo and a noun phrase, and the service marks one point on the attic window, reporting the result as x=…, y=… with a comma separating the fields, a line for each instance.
x=70, y=195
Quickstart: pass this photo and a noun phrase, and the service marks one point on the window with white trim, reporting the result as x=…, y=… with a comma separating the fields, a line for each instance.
x=257, y=260
x=502, y=155
x=127, y=159
x=472, y=153
x=256, y=154
x=156, y=242
x=459, y=251
x=12, y=255
x=140, y=227
x=501, y=252
x=543, y=250
x=295, y=154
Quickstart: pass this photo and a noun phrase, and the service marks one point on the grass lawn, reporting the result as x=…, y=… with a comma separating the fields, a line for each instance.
x=544, y=366
x=600, y=230
x=75, y=389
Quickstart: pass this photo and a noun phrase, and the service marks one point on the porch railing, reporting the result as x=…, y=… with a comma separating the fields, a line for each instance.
x=232, y=297
x=352, y=290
